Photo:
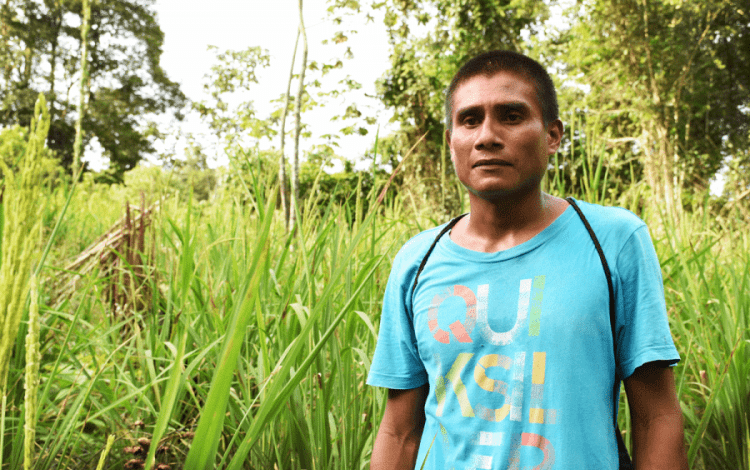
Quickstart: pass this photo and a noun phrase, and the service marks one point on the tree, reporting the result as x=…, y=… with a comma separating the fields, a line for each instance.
x=282, y=137
x=298, y=123
x=230, y=112
x=41, y=40
x=81, y=109
x=669, y=82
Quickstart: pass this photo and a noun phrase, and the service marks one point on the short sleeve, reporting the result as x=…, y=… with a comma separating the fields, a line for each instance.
x=642, y=326
x=396, y=363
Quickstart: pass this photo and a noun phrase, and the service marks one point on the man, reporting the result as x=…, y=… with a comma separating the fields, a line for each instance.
x=499, y=353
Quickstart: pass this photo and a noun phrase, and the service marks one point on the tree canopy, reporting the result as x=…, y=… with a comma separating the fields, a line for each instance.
x=669, y=82
x=40, y=44
x=659, y=89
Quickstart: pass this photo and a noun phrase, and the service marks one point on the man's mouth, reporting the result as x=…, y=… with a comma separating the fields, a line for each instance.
x=492, y=162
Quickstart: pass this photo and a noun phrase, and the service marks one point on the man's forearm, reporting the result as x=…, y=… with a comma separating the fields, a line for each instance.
x=659, y=444
x=394, y=452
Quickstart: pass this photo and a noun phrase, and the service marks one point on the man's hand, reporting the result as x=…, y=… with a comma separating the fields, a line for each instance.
x=658, y=440
x=397, y=443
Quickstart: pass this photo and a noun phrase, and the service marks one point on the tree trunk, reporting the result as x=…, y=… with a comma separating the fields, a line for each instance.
x=57, y=15
x=298, y=124
x=282, y=160
x=662, y=146
x=28, y=55
x=78, y=144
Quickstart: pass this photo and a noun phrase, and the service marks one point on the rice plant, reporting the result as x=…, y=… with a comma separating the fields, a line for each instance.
x=20, y=229
x=20, y=242
x=31, y=378
x=707, y=285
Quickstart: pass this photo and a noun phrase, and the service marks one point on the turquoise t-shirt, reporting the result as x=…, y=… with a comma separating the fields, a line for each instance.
x=517, y=345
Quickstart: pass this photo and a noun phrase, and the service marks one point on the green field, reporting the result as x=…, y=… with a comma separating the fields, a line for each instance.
x=165, y=317
x=211, y=310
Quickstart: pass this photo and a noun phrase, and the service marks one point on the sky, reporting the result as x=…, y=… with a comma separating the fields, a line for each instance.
x=190, y=26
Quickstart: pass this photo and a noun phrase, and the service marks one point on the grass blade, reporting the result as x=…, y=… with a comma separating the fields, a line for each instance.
x=202, y=452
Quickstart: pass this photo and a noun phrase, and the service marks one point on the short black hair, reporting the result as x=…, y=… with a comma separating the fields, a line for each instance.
x=493, y=62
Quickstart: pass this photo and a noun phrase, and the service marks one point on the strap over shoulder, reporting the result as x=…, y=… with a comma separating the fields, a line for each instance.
x=445, y=229
x=605, y=266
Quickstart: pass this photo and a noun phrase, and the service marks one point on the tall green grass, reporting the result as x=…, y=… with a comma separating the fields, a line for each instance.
x=272, y=332
x=253, y=347
x=707, y=285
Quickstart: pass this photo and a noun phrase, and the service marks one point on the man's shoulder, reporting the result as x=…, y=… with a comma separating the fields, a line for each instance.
x=610, y=219
x=408, y=259
x=417, y=246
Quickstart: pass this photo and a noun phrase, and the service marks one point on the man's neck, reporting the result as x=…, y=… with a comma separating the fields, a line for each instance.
x=498, y=225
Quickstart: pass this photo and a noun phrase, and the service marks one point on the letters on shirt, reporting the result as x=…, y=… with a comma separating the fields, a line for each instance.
x=449, y=376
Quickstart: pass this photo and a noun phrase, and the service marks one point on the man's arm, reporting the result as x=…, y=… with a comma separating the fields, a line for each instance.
x=397, y=443
x=658, y=440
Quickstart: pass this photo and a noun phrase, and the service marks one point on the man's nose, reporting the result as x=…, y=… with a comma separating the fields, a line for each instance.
x=489, y=135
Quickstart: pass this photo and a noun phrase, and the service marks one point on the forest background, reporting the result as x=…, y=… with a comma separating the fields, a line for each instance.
x=183, y=316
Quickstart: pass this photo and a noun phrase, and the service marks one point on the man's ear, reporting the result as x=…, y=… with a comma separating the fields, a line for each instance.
x=554, y=136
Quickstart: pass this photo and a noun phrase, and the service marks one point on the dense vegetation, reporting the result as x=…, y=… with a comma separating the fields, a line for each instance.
x=174, y=321
x=139, y=302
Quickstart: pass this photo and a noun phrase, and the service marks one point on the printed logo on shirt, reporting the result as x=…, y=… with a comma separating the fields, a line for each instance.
x=450, y=386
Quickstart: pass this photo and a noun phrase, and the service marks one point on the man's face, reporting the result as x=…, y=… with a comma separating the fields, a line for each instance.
x=499, y=144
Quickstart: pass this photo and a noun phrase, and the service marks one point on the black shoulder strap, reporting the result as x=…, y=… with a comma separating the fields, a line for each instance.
x=624, y=457
x=612, y=308
x=432, y=247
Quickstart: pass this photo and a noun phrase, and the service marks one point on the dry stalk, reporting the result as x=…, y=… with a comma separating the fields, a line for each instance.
x=118, y=255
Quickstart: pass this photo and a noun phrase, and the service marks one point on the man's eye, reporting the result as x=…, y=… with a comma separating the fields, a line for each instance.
x=470, y=121
x=513, y=117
